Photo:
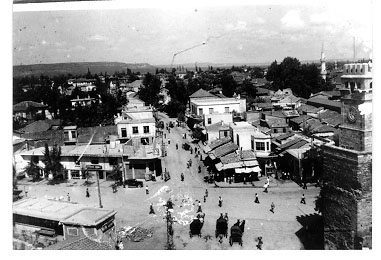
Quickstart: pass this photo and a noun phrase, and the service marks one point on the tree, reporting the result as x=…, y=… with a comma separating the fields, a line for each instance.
x=52, y=161
x=33, y=170
x=229, y=86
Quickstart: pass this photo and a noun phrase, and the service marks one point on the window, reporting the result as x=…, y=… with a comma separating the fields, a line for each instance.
x=268, y=146
x=226, y=109
x=113, y=161
x=124, y=132
x=75, y=174
x=66, y=135
x=146, y=129
x=259, y=146
x=94, y=161
x=200, y=113
x=284, y=130
x=226, y=133
x=252, y=145
x=275, y=130
x=237, y=139
x=209, y=121
x=72, y=231
x=135, y=130
x=73, y=134
x=211, y=110
x=144, y=141
x=370, y=86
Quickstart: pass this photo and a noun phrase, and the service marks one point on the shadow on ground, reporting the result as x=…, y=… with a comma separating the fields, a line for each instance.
x=311, y=234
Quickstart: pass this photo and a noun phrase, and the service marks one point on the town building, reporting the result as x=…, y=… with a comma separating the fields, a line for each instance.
x=217, y=131
x=203, y=103
x=136, y=161
x=28, y=110
x=241, y=134
x=53, y=217
x=137, y=123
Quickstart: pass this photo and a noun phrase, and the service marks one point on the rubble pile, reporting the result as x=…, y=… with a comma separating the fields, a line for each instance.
x=135, y=234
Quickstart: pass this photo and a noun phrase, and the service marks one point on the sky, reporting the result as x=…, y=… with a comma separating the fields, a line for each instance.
x=255, y=33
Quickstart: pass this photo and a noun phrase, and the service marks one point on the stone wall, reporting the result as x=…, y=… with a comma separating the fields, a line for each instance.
x=347, y=198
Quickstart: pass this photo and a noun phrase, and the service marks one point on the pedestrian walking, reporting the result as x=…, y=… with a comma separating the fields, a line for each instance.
x=169, y=141
x=266, y=186
x=199, y=207
x=260, y=243
x=221, y=216
x=256, y=198
x=303, y=200
x=272, y=207
x=87, y=193
x=204, y=199
x=242, y=226
x=151, y=210
x=68, y=197
x=199, y=169
x=219, y=201
x=177, y=146
x=147, y=191
x=182, y=176
x=191, y=150
x=195, y=150
x=206, y=192
x=165, y=136
x=304, y=185
x=226, y=217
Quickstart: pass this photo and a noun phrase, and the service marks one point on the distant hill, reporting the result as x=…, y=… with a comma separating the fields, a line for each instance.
x=79, y=68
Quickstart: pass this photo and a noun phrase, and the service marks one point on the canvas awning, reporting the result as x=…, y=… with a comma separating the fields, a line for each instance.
x=248, y=169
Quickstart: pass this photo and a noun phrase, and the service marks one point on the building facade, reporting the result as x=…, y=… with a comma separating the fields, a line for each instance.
x=346, y=197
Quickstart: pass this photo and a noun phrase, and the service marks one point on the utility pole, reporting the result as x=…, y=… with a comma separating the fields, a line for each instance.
x=99, y=191
x=170, y=245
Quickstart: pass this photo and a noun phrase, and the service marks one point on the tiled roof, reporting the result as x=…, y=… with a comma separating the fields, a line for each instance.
x=324, y=129
x=312, y=123
x=263, y=129
x=289, y=99
x=293, y=143
x=283, y=137
x=217, y=126
x=224, y=149
x=300, y=119
x=23, y=106
x=262, y=91
x=40, y=126
x=219, y=142
x=290, y=113
x=201, y=93
x=309, y=109
x=331, y=117
x=276, y=122
x=83, y=243
x=262, y=105
x=236, y=157
x=314, y=101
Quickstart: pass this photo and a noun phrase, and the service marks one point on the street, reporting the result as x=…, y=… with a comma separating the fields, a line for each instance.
x=278, y=229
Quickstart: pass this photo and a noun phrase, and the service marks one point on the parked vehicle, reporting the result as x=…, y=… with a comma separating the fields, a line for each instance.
x=195, y=228
x=235, y=235
x=134, y=183
x=221, y=227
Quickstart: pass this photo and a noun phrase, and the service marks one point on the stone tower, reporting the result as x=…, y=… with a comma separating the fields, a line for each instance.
x=347, y=191
x=323, y=70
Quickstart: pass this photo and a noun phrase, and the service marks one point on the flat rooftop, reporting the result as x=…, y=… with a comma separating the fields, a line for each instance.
x=89, y=216
x=45, y=208
x=63, y=211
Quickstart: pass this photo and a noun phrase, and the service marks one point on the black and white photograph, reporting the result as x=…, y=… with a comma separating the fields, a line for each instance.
x=191, y=125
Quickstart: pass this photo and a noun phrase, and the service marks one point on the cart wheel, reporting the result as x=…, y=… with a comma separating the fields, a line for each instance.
x=231, y=241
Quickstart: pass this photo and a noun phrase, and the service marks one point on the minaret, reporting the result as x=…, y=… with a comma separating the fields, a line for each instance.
x=323, y=71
